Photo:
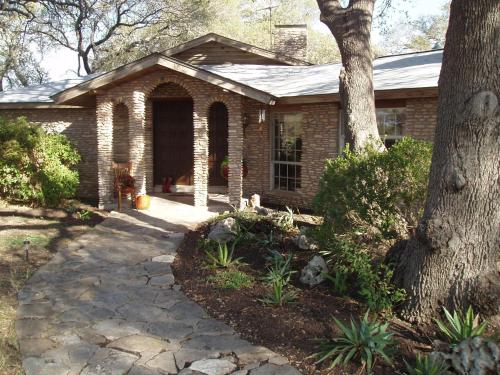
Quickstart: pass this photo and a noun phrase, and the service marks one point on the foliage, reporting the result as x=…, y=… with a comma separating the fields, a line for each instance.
x=224, y=256
x=231, y=279
x=279, y=270
x=338, y=278
x=366, y=341
x=368, y=280
x=278, y=296
x=376, y=192
x=36, y=167
x=426, y=365
x=285, y=220
x=461, y=326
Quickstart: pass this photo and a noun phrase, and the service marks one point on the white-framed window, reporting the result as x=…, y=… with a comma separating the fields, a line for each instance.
x=390, y=122
x=286, y=151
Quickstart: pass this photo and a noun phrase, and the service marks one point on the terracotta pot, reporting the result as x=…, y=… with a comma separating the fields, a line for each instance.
x=142, y=202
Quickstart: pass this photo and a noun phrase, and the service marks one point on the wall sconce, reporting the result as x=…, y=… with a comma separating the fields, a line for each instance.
x=246, y=120
x=262, y=115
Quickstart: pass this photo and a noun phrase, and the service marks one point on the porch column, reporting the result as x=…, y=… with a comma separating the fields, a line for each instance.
x=104, y=117
x=235, y=150
x=200, y=124
x=137, y=138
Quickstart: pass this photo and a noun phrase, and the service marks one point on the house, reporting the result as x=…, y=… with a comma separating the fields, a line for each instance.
x=180, y=112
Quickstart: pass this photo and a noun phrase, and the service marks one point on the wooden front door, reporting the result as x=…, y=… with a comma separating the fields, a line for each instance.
x=173, y=141
x=217, y=143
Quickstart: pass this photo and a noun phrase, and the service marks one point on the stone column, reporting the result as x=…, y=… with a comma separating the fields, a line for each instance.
x=200, y=125
x=104, y=117
x=235, y=150
x=137, y=140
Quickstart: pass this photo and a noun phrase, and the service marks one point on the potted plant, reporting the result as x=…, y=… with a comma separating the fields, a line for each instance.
x=224, y=168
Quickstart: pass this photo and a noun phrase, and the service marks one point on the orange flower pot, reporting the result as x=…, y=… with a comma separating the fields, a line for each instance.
x=142, y=202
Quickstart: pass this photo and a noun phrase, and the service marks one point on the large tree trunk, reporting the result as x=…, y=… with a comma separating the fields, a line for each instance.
x=351, y=27
x=451, y=261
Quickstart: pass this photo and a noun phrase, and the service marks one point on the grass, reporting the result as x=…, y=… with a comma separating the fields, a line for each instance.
x=44, y=235
x=231, y=279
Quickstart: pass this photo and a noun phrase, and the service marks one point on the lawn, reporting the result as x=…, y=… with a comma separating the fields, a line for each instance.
x=46, y=230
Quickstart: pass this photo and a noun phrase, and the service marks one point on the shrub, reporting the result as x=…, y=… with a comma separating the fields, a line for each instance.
x=427, y=366
x=231, y=279
x=364, y=340
x=370, y=280
x=461, y=326
x=35, y=167
x=381, y=192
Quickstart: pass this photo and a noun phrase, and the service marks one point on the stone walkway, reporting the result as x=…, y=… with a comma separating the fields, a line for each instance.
x=109, y=305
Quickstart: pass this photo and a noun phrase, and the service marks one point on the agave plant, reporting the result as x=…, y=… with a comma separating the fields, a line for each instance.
x=278, y=296
x=461, y=326
x=279, y=270
x=427, y=366
x=223, y=257
x=364, y=340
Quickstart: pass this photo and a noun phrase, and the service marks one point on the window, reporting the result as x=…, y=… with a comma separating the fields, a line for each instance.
x=286, y=151
x=390, y=123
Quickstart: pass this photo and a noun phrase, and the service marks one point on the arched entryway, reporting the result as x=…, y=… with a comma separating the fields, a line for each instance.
x=121, y=145
x=217, y=145
x=172, y=109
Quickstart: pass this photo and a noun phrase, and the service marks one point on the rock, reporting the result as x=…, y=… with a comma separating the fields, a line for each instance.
x=35, y=347
x=139, y=343
x=163, y=361
x=270, y=369
x=256, y=354
x=312, y=274
x=164, y=258
x=304, y=242
x=261, y=210
x=223, y=231
x=255, y=200
x=213, y=366
x=473, y=356
x=162, y=281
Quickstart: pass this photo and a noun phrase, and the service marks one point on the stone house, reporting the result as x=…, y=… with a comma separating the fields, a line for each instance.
x=180, y=112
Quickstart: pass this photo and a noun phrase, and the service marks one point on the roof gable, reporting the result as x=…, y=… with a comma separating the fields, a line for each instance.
x=214, y=49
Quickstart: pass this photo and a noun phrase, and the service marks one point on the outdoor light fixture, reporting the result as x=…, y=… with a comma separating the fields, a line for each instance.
x=262, y=115
x=246, y=120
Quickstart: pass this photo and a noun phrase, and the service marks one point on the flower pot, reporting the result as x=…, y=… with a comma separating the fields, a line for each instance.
x=142, y=202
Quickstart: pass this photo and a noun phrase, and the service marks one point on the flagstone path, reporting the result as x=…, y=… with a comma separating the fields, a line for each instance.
x=108, y=304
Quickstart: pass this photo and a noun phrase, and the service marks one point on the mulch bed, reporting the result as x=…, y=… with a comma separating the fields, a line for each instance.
x=293, y=330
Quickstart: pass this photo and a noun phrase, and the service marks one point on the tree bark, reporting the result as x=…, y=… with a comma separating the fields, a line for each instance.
x=351, y=27
x=452, y=260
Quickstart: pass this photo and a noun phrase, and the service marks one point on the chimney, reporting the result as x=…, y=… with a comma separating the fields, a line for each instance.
x=291, y=41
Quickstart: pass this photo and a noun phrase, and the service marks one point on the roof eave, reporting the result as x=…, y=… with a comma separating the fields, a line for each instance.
x=167, y=62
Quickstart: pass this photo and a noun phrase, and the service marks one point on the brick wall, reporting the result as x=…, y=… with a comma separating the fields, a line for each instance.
x=79, y=125
x=421, y=118
x=120, y=134
x=291, y=40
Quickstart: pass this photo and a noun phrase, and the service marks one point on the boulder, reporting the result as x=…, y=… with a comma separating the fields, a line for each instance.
x=304, y=242
x=312, y=274
x=261, y=210
x=473, y=356
x=255, y=200
x=224, y=230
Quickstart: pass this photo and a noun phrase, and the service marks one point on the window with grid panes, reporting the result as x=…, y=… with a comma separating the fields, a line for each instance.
x=390, y=122
x=286, y=151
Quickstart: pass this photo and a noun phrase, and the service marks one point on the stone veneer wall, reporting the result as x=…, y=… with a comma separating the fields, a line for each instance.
x=320, y=141
x=134, y=94
x=79, y=125
x=120, y=133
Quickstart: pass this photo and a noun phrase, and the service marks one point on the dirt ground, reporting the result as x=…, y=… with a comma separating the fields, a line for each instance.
x=292, y=330
x=46, y=230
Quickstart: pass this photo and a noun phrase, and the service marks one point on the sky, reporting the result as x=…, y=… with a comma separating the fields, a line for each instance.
x=62, y=63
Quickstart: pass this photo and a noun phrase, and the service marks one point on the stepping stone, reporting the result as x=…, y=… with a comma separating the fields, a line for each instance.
x=163, y=361
x=164, y=258
x=270, y=369
x=139, y=343
x=213, y=366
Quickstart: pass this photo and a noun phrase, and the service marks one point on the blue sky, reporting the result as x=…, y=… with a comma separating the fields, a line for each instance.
x=61, y=63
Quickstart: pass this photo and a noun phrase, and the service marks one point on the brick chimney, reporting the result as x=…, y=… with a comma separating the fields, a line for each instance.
x=291, y=41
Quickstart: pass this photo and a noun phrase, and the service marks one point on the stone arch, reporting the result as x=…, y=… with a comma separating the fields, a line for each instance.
x=148, y=89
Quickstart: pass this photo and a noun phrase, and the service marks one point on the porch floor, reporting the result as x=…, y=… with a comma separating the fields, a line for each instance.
x=178, y=209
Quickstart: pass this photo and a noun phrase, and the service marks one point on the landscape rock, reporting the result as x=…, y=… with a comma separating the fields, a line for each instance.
x=261, y=210
x=473, y=356
x=213, y=366
x=304, y=242
x=255, y=200
x=270, y=369
x=223, y=231
x=313, y=273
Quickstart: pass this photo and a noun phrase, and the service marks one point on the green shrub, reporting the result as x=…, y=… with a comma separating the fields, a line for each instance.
x=35, y=167
x=364, y=340
x=231, y=279
x=461, y=326
x=427, y=366
x=370, y=280
x=380, y=192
